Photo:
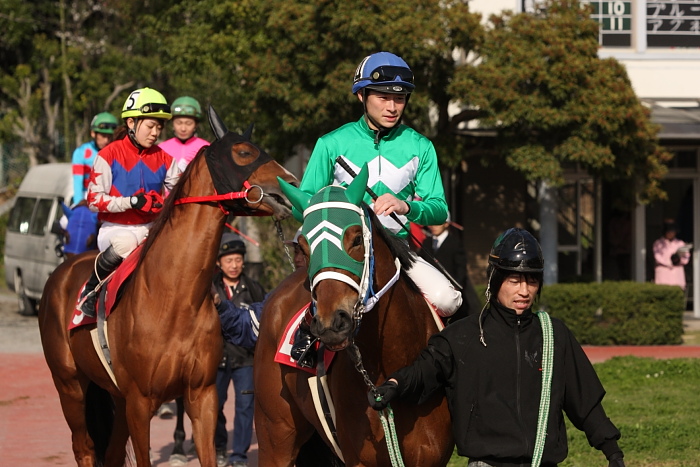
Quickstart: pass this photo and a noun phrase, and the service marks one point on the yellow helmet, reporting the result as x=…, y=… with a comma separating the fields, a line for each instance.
x=146, y=102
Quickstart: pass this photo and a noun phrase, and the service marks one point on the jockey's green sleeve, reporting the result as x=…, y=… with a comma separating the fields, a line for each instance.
x=403, y=163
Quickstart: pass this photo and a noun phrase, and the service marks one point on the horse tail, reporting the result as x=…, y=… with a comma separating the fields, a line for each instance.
x=99, y=417
x=316, y=452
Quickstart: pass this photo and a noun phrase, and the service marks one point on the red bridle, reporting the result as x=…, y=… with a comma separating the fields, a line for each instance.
x=225, y=197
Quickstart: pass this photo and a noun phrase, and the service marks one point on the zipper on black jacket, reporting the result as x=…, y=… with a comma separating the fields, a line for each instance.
x=519, y=385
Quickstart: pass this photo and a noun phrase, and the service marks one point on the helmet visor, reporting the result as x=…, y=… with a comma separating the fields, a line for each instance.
x=389, y=73
x=184, y=109
x=154, y=108
x=522, y=264
x=105, y=126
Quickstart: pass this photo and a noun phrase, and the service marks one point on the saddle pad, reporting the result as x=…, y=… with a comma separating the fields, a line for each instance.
x=110, y=288
x=283, y=354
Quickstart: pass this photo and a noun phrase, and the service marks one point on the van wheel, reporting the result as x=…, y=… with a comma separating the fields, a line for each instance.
x=27, y=306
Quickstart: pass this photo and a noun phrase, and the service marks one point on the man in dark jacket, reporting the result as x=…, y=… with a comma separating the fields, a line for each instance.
x=496, y=368
x=231, y=283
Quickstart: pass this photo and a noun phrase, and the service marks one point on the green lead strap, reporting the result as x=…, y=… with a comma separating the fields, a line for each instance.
x=547, y=367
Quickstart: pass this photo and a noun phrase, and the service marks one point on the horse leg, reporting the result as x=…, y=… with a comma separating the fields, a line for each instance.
x=178, y=456
x=280, y=426
x=71, y=394
x=202, y=407
x=116, y=451
x=139, y=411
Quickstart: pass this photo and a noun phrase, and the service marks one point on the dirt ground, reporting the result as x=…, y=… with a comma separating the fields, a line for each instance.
x=32, y=428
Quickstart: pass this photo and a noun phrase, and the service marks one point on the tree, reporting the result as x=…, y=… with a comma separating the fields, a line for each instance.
x=555, y=103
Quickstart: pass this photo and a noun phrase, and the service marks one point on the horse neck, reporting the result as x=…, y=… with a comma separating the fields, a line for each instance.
x=401, y=318
x=188, y=239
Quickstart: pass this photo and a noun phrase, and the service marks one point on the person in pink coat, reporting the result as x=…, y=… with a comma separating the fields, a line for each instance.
x=185, y=144
x=671, y=254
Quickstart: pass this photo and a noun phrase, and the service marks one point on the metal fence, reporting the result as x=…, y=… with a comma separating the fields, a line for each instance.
x=14, y=165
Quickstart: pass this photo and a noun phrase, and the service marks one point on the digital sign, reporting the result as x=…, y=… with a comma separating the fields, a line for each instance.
x=673, y=24
x=615, y=20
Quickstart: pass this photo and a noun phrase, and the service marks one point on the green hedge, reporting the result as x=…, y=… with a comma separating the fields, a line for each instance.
x=618, y=313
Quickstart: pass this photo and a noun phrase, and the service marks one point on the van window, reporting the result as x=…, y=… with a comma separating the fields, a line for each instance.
x=21, y=215
x=39, y=224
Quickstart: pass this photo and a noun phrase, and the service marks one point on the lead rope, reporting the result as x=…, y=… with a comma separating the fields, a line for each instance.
x=547, y=367
x=280, y=234
x=386, y=416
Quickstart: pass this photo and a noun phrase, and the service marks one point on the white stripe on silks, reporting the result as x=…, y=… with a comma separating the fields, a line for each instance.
x=396, y=178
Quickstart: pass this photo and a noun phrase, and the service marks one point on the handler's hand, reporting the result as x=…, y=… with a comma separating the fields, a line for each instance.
x=387, y=392
x=388, y=203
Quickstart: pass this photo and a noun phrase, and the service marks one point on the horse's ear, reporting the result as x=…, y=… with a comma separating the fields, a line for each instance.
x=248, y=132
x=218, y=127
x=356, y=190
x=298, y=198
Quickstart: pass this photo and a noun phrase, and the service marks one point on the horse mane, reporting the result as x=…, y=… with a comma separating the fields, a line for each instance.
x=168, y=205
x=398, y=247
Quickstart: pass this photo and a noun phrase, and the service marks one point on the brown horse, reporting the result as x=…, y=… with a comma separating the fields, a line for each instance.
x=164, y=332
x=390, y=336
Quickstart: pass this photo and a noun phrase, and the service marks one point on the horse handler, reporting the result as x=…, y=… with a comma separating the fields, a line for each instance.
x=510, y=373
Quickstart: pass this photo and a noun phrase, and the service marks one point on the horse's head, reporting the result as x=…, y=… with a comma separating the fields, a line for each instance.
x=234, y=160
x=337, y=241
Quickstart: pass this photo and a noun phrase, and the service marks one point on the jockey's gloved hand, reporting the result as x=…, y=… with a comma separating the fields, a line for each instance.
x=147, y=202
x=616, y=459
x=386, y=392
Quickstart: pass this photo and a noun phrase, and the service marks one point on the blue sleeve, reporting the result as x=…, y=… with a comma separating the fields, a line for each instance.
x=240, y=325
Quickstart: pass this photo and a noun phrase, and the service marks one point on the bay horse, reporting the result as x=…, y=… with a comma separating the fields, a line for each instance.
x=163, y=332
x=390, y=336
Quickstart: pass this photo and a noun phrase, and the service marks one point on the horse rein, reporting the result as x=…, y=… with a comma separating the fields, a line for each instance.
x=226, y=196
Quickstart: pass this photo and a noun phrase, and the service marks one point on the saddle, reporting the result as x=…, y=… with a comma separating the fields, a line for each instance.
x=109, y=291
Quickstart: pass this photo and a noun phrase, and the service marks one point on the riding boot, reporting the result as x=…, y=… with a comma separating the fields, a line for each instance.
x=106, y=262
x=303, y=348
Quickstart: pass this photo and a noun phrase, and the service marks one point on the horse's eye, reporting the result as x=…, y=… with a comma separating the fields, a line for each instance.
x=357, y=241
x=245, y=153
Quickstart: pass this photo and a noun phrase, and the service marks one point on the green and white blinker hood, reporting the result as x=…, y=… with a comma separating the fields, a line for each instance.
x=326, y=217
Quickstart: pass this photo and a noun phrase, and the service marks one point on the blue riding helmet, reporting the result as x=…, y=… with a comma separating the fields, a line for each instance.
x=384, y=72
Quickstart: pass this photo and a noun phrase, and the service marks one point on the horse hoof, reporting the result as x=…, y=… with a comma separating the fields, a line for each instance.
x=178, y=459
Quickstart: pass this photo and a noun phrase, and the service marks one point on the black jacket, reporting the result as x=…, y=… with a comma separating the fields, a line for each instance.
x=494, y=391
x=248, y=291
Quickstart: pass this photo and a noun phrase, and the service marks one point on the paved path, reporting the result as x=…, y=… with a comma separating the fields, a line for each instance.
x=33, y=431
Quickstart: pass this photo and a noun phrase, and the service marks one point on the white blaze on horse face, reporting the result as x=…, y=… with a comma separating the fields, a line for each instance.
x=335, y=240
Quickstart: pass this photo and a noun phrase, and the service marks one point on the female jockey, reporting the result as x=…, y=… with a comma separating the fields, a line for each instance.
x=126, y=186
x=185, y=144
x=402, y=163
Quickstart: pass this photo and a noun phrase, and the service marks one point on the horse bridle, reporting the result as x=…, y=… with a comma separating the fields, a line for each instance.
x=366, y=297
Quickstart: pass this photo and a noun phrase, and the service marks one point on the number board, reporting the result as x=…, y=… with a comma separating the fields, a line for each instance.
x=673, y=24
x=615, y=20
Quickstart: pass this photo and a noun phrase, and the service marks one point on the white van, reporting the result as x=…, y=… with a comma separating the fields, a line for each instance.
x=30, y=246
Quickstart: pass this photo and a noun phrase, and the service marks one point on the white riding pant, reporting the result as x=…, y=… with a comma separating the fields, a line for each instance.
x=436, y=288
x=124, y=238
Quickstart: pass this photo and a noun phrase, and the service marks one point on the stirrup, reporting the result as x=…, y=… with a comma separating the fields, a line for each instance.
x=87, y=304
x=308, y=358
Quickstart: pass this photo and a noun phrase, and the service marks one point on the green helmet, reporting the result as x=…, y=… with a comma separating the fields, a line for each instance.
x=146, y=102
x=187, y=106
x=104, y=122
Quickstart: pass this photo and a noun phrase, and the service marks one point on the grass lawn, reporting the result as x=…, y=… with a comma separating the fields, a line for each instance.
x=655, y=405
